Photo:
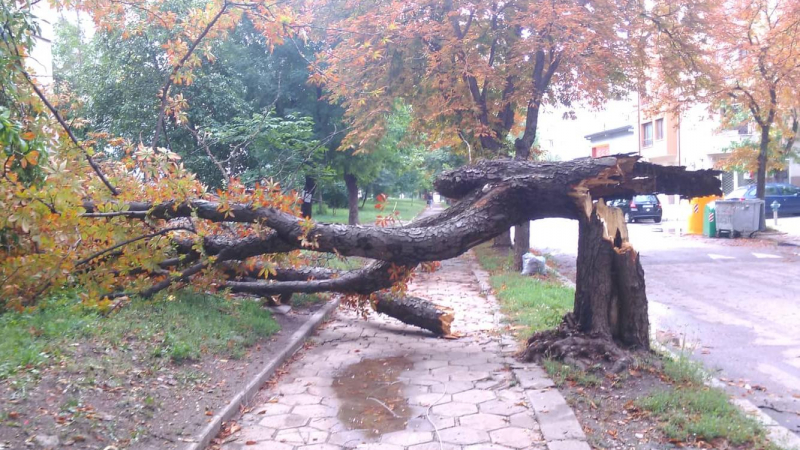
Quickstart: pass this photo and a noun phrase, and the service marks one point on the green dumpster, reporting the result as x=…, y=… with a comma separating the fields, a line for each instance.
x=710, y=220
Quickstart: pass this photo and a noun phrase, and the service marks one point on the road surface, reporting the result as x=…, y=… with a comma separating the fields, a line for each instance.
x=732, y=304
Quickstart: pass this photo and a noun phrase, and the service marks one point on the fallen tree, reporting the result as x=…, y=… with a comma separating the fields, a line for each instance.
x=610, y=303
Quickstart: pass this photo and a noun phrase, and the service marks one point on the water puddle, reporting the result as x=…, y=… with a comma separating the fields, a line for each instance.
x=372, y=398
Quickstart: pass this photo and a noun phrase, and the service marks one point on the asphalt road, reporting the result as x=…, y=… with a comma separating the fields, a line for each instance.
x=732, y=304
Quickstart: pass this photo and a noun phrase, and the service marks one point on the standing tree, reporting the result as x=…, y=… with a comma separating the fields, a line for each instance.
x=734, y=56
x=476, y=74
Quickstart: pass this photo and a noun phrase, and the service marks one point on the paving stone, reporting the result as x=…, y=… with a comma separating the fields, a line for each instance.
x=487, y=447
x=315, y=381
x=513, y=437
x=430, y=364
x=258, y=446
x=455, y=409
x=422, y=424
x=532, y=377
x=291, y=388
x=501, y=407
x=556, y=419
x=568, y=445
x=435, y=446
x=320, y=447
x=315, y=411
x=379, y=446
x=282, y=421
x=429, y=399
x=474, y=396
x=299, y=399
x=483, y=421
x=255, y=433
x=452, y=387
x=523, y=420
x=349, y=438
x=463, y=435
x=406, y=438
x=272, y=409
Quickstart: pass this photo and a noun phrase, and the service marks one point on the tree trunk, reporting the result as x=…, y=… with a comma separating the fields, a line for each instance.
x=522, y=243
x=761, y=175
x=503, y=240
x=366, y=195
x=610, y=299
x=309, y=189
x=610, y=308
x=352, y=198
x=415, y=311
x=492, y=196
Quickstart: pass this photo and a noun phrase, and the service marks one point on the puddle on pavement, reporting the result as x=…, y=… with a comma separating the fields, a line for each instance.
x=371, y=397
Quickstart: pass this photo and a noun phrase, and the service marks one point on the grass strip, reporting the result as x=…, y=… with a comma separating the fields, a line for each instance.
x=182, y=326
x=531, y=303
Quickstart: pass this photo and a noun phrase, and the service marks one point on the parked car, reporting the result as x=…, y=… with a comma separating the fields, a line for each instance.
x=639, y=207
x=787, y=195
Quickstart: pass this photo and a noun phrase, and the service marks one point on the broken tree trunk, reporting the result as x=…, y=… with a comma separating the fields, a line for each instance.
x=492, y=196
x=415, y=311
x=610, y=309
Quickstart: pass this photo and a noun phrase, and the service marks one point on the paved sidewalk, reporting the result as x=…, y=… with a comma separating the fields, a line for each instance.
x=379, y=384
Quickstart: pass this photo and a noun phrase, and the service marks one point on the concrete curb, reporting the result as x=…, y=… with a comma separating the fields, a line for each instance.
x=200, y=441
x=776, y=433
x=557, y=421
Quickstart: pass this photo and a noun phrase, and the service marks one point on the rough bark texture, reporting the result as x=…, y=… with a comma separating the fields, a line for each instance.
x=610, y=301
x=416, y=311
x=309, y=189
x=492, y=196
x=522, y=243
x=503, y=240
x=351, y=183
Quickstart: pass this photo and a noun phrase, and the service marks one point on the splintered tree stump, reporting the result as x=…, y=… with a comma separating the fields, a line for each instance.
x=610, y=310
x=415, y=311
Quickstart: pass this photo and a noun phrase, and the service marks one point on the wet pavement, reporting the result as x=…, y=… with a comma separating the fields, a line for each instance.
x=379, y=384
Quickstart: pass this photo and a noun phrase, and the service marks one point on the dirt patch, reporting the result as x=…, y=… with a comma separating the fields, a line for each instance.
x=117, y=396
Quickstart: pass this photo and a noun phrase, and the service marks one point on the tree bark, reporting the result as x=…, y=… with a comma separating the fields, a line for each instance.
x=309, y=189
x=761, y=175
x=351, y=183
x=522, y=243
x=415, y=311
x=503, y=240
x=492, y=196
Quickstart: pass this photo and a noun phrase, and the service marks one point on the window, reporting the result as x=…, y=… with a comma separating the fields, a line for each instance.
x=791, y=190
x=659, y=129
x=647, y=134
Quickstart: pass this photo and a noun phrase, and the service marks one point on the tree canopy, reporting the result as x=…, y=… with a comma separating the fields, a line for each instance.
x=736, y=56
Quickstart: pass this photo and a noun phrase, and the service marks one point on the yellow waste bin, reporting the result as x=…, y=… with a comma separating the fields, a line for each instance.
x=696, y=215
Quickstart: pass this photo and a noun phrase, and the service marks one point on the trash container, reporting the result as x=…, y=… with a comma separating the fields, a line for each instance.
x=710, y=220
x=697, y=212
x=738, y=217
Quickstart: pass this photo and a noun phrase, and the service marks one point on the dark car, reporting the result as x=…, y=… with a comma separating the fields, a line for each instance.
x=787, y=195
x=639, y=207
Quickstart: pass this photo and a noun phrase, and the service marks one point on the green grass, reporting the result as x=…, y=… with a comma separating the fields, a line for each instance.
x=699, y=412
x=180, y=327
x=562, y=373
x=683, y=370
x=532, y=304
x=690, y=411
x=408, y=209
